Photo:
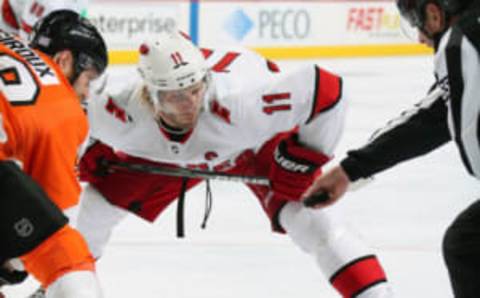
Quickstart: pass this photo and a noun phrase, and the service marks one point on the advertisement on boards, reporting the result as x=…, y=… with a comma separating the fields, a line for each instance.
x=301, y=23
x=125, y=25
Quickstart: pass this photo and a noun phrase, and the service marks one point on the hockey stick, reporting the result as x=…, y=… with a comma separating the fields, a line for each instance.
x=112, y=166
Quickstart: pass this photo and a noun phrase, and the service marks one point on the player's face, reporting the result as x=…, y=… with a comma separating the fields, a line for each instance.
x=180, y=109
x=82, y=83
x=434, y=24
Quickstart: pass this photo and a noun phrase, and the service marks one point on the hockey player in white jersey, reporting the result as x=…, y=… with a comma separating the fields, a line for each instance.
x=19, y=16
x=224, y=111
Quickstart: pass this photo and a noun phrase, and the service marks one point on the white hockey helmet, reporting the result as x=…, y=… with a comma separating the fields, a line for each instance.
x=171, y=62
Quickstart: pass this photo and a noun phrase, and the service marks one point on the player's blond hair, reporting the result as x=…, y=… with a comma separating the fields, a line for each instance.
x=146, y=100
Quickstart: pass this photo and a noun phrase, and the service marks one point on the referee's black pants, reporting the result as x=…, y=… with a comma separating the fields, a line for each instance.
x=461, y=251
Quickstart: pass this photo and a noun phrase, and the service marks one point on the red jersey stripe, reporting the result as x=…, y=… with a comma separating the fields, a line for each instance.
x=328, y=91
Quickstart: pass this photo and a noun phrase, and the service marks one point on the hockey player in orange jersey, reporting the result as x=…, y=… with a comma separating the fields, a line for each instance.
x=42, y=128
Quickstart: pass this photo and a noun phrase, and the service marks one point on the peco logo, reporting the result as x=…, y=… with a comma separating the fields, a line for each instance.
x=273, y=24
x=284, y=24
x=372, y=19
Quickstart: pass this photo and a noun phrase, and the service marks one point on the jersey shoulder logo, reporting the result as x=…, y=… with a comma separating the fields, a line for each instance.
x=113, y=108
x=220, y=111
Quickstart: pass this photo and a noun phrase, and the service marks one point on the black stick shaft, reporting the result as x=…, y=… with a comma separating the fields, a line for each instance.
x=199, y=174
x=183, y=172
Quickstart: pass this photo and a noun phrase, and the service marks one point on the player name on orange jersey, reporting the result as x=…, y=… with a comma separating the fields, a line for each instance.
x=37, y=63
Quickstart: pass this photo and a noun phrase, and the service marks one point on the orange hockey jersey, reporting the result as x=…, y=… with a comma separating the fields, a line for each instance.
x=42, y=123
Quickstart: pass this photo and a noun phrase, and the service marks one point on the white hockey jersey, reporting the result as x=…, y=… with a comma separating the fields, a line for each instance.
x=248, y=101
x=19, y=16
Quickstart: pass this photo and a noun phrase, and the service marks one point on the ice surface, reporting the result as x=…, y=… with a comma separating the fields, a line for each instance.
x=402, y=215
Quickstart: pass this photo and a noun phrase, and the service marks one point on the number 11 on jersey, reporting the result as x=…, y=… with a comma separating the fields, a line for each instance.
x=272, y=105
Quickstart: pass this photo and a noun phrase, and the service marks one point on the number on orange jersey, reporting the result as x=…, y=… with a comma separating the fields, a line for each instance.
x=17, y=81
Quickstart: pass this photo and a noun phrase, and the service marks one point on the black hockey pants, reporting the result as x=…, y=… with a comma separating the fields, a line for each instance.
x=461, y=250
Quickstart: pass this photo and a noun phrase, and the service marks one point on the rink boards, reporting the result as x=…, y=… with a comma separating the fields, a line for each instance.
x=276, y=29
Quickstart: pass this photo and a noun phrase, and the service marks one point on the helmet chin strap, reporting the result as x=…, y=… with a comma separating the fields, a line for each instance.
x=77, y=69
